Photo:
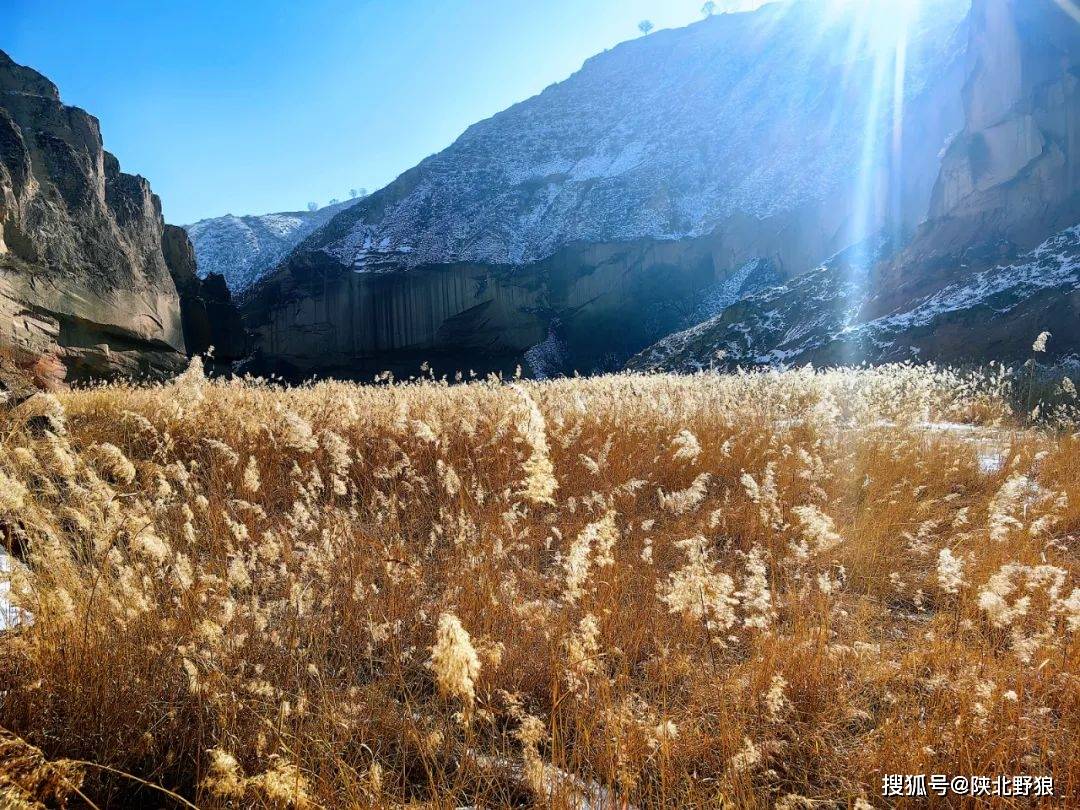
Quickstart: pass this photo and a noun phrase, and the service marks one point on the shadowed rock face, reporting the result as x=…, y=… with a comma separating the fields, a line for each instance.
x=997, y=262
x=210, y=320
x=83, y=274
x=602, y=301
x=658, y=171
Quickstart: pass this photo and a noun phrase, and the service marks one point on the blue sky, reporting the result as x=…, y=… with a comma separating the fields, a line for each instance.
x=239, y=106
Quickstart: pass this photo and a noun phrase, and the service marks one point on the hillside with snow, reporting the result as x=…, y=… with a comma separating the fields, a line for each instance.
x=825, y=316
x=245, y=248
x=665, y=178
x=998, y=259
x=669, y=136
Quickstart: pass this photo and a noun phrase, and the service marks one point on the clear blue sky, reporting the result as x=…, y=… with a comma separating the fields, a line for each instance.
x=250, y=106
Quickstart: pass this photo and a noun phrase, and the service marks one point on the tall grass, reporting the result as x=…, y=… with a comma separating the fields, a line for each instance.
x=765, y=589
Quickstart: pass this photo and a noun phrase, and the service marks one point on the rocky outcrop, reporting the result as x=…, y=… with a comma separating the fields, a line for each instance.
x=81, y=270
x=244, y=249
x=662, y=168
x=602, y=301
x=995, y=264
x=84, y=281
x=1019, y=153
x=1012, y=176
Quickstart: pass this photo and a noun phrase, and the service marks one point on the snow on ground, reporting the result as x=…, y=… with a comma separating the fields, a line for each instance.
x=10, y=616
x=547, y=358
x=991, y=444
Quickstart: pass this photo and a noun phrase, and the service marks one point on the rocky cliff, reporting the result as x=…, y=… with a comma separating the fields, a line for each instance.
x=996, y=262
x=243, y=249
x=84, y=280
x=596, y=215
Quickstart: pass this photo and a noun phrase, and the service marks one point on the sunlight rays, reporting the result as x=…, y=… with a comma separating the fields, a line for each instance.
x=876, y=81
x=1070, y=8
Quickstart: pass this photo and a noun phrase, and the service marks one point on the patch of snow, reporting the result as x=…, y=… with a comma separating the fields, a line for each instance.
x=991, y=444
x=560, y=786
x=547, y=358
x=990, y=462
x=10, y=616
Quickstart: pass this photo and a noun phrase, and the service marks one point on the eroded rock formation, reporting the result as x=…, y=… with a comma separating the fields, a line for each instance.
x=83, y=272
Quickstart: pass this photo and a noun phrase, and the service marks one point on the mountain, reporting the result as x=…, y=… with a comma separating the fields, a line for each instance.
x=243, y=249
x=995, y=264
x=595, y=215
x=88, y=286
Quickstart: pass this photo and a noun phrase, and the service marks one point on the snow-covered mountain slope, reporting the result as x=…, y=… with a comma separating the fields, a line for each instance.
x=820, y=316
x=667, y=136
x=245, y=248
x=606, y=206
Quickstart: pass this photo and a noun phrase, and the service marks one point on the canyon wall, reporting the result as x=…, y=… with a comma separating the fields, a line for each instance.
x=85, y=285
x=599, y=302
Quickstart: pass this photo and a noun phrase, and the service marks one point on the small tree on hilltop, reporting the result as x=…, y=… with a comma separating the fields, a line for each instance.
x=709, y=8
x=312, y=206
x=645, y=26
x=334, y=201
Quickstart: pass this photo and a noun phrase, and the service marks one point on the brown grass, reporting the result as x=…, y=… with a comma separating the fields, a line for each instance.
x=629, y=591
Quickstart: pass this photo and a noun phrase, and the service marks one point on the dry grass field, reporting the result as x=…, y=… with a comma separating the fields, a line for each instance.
x=764, y=590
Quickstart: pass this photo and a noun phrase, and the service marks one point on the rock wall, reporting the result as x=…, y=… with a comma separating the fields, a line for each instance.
x=1017, y=159
x=605, y=301
x=83, y=272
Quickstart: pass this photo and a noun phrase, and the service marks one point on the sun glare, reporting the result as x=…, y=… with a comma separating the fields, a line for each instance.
x=877, y=52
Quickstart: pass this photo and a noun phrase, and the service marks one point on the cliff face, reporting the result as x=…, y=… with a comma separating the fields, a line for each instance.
x=664, y=166
x=83, y=274
x=244, y=249
x=599, y=302
x=1019, y=152
x=997, y=261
